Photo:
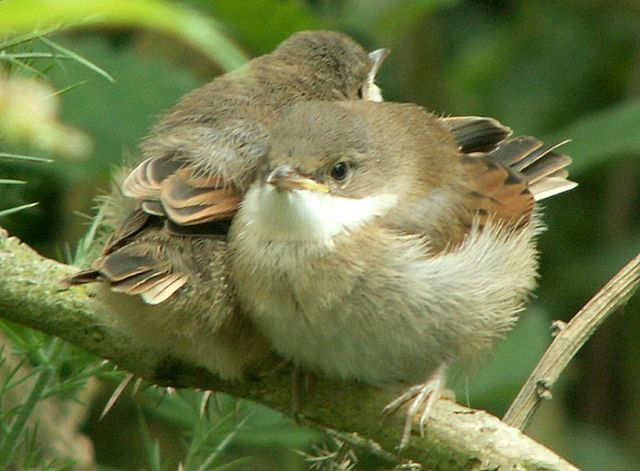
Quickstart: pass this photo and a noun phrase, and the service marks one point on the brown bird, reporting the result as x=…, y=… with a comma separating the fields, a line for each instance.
x=170, y=227
x=382, y=244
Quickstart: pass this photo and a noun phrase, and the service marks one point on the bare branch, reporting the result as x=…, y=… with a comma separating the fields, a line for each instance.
x=456, y=437
x=569, y=339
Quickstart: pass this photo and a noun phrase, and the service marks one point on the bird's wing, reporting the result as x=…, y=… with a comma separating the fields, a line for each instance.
x=200, y=167
x=189, y=199
x=504, y=176
x=496, y=193
x=135, y=261
x=168, y=189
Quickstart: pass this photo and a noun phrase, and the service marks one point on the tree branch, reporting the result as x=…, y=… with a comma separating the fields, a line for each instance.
x=456, y=437
x=569, y=339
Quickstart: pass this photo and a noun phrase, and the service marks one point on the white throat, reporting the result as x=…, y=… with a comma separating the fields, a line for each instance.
x=303, y=215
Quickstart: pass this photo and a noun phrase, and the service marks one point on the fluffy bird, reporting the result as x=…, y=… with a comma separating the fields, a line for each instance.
x=381, y=243
x=164, y=269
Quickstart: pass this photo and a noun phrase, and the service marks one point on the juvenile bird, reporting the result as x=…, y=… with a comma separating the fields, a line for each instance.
x=170, y=226
x=382, y=244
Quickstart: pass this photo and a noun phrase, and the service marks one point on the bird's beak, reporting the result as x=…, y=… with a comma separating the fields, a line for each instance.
x=284, y=178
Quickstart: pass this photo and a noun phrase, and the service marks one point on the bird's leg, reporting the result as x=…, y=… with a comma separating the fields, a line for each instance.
x=296, y=391
x=423, y=397
x=299, y=382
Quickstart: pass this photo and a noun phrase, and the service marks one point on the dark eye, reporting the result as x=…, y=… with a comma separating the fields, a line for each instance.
x=339, y=171
x=361, y=92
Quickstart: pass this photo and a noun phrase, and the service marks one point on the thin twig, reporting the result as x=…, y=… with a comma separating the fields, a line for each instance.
x=569, y=340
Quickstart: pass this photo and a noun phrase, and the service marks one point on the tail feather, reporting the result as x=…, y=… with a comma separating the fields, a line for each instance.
x=550, y=186
x=508, y=173
x=562, y=173
x=476, y=133
x=536, y=154
x=545, y=167
x=542, y=167
x=514, y=150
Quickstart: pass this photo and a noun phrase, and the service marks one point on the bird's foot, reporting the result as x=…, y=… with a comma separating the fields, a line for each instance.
x=422, y=398
x=299, y=381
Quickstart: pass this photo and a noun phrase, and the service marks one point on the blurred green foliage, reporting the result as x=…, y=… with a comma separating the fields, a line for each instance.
x=560, y=70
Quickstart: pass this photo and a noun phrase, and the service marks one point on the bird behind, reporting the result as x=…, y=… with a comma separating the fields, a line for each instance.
x=168, y=249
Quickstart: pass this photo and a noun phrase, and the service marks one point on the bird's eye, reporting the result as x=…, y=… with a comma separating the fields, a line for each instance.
x=361, y=92
x=339, y=171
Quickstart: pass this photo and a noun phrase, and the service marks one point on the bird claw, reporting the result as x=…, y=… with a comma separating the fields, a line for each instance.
x=423, y=397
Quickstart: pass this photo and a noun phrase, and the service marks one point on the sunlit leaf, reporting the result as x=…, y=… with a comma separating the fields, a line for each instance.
x=22, y=16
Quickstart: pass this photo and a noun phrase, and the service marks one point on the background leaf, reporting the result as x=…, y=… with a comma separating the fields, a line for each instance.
x=609, y=133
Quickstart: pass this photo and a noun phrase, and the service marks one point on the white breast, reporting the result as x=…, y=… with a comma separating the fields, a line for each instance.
x=302, y=215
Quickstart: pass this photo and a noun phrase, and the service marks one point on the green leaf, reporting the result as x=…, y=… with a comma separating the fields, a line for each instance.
x=600, y=136
x=222, y=445
x=22, y=16
x=31, y=158
x=11, y=441
x=6, y=212
x=37, y=32
x=151, y=445
x=73, y=55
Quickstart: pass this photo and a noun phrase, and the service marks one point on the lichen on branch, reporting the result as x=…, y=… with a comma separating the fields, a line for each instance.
x=31, y=293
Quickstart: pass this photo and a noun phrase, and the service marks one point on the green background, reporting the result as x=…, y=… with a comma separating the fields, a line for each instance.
x=554, y=69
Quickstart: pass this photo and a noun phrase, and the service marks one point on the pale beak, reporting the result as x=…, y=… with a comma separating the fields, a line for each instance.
x=371, y=91
x=284, y=178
